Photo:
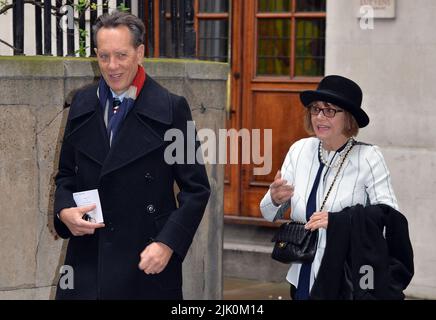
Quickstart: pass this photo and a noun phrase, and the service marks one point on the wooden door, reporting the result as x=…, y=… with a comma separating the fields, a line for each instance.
x=278, y=50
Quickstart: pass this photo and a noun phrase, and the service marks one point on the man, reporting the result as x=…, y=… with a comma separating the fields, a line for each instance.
x=114, y=142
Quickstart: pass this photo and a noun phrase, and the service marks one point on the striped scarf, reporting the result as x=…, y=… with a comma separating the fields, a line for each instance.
x=114, y=119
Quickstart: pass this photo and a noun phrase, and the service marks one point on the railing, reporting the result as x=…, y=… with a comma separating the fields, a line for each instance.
x=74, y=18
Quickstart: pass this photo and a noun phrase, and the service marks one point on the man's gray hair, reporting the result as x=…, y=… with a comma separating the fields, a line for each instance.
x=116, y=19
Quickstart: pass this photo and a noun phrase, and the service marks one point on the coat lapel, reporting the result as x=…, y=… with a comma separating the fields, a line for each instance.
x=135, y=138
x=88, y=131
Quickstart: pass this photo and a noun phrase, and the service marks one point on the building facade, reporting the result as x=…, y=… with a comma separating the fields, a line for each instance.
x=276, y=49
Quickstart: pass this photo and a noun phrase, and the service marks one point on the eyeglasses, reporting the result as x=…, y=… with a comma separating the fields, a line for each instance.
x=328, y=111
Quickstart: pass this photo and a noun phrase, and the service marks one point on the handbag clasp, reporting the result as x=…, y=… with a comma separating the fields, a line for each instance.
x=282, y=244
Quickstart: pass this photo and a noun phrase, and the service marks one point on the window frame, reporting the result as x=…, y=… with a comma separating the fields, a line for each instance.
x=199, y=16
x=293, y=16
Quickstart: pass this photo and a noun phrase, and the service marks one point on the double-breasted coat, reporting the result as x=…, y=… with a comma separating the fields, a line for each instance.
x=136, y=188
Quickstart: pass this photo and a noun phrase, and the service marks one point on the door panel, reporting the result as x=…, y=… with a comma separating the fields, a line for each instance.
x=232, y=177
x=274, y=57
x=281, y=112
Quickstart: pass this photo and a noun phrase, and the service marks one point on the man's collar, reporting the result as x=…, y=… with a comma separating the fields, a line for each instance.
x=118, y=96
x=154, y=102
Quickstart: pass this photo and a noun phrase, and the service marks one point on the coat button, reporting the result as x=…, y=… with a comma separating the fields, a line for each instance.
x=148, y=177
x=151, y=208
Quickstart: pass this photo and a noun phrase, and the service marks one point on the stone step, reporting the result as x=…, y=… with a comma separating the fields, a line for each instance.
x=247, y=254
x=247, y=247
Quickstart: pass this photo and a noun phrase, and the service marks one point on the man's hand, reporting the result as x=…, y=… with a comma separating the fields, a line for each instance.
x=318, y=220
x=72, y=217
x=155, y=257
x=280, y=191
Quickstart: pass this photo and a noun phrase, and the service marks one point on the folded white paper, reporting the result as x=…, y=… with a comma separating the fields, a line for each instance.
x=89, y=197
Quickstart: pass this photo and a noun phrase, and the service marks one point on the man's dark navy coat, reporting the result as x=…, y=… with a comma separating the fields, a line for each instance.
x=136, y=188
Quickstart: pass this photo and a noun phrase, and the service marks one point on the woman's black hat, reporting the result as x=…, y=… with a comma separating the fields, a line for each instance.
x=339, y=91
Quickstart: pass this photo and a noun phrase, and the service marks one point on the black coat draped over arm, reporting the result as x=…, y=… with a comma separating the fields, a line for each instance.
x=368, y=255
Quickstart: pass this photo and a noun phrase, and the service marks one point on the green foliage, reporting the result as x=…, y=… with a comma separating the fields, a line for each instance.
x=83, y=34
x=3, y=3
x=80, y=7
x=122, y=7
x=94, y=6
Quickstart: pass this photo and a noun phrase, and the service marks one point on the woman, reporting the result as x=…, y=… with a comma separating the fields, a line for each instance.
x=313, y=166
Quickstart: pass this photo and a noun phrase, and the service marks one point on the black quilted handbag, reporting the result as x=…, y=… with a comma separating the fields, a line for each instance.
x=294, y=244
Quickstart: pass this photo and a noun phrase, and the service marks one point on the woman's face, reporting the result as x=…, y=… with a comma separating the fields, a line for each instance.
x=328, y=122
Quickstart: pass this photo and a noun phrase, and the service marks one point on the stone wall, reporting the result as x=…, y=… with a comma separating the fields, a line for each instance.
x=33, y=92
x=395, y=65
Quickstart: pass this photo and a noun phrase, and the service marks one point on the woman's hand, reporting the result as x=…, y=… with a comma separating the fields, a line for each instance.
x=280, y=191
x=318, y=220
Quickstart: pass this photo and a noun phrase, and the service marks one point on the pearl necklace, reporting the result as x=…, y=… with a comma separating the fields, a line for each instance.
x=341, y=154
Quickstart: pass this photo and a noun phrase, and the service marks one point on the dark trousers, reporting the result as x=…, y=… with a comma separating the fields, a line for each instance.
x=292, y=291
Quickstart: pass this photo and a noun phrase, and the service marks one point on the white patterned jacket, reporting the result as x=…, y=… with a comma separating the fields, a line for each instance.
x=364, y=179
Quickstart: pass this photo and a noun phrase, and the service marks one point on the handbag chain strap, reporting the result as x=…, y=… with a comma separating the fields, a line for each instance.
x=336, y=176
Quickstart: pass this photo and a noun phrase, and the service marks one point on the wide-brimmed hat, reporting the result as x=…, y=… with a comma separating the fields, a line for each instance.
x=340, y=91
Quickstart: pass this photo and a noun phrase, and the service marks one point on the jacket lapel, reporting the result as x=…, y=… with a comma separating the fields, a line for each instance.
x=88, y=131
x=135, y=138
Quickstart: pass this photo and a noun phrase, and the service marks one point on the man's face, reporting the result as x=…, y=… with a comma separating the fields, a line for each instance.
x=117, y=57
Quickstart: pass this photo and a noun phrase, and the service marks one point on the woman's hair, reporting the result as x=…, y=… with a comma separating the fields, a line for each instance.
x=351, y=128
x=116, y=19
